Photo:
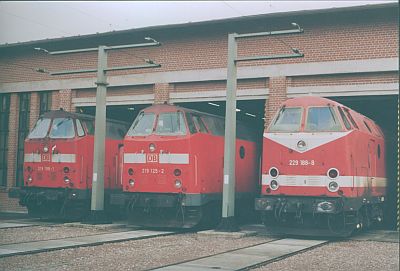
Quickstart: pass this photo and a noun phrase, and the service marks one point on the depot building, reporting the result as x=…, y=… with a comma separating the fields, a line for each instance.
x=350, y=56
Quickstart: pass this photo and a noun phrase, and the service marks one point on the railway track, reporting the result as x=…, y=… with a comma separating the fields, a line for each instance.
x=24, y=248
x=249, y=257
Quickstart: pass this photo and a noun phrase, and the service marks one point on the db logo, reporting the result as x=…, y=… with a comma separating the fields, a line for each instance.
x=152, y=158
x=46, y=157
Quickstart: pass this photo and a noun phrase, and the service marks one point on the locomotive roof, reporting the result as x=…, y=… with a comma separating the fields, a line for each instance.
x=173, y=108
x=320, y=101
x=65, y=114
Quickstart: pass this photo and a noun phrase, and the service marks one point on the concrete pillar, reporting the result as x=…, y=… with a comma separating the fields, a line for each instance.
x=161, y=93
x=277, y=95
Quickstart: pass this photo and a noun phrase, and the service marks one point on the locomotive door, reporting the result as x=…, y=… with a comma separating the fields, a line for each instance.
x=371, y=165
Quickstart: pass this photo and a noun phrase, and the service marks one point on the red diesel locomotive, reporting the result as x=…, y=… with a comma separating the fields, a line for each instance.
x=58, y=164
x=323, y=168
x=173, y=167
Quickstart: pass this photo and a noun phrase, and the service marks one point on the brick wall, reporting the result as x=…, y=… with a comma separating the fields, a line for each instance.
x=55, y=100
x=117, y=91
x=161, y=93
x=326, y=38
x=345, y=79
x=9, y=204
x=12, y=140
x=65, y=99
x=277, y=95
x=256, y=83
x=34, y=110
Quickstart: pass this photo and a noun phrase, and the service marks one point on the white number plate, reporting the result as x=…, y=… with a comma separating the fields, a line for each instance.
x=301, y=162
x=153, y=171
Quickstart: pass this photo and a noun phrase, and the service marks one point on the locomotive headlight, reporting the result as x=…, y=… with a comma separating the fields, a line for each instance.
x=177, y=172
x=152, y=147
x=333, y=186
x=301, y=145
x=66, y=169
x=29, y=179
x=45, y=149
x=66, y=180
x=274, y=172
x=274, y=185
x=332, y=173
x=131, y=182
x=178, y=183
x=130, y=171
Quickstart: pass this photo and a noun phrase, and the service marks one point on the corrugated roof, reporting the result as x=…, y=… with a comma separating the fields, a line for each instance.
x=209, y=22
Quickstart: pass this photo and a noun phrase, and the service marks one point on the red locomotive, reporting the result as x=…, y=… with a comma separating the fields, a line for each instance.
x=58, y=164
x=173, y=167
x=323, y=168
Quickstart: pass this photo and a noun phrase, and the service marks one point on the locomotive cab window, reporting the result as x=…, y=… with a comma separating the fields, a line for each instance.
x=79, y=128
x=143, y=125
x=321, y=119
x=62, y=128
x=41, y=128
x=287, y=120
x=171, y=123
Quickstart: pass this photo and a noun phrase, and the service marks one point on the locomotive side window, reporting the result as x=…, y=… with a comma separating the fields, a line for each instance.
x=322, y=119
x=242, y=152
x=191, y=125
x=79, y=128
x=351, y=118
x=379, y=151
x=89, y=126
x=287, y=120
x=171, y=123
x=215, y=125
x=366, y=125
x=143, y=125
x=41, y=128
x=345, y=120
x=62, y=128
x=199, y=124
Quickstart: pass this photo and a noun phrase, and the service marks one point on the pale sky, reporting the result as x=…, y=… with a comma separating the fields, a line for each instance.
x=27, y=21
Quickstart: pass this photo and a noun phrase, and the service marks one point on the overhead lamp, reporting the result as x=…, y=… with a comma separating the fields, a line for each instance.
x=41, y=50
x=251, y=115
x=41, y=70
x=213, y=104
x=238, y=110
x=295, y=50
x=150, y=39
x=149, y=61
x=296, y=25
x=131, y=108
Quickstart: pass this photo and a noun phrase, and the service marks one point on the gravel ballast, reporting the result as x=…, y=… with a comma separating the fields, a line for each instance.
x=131, y=255
x=343, y=255
x=41, y=233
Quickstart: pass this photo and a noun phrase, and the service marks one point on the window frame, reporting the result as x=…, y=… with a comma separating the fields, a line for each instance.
x=332, y=109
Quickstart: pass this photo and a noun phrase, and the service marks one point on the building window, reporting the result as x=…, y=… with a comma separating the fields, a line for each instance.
x=44, y=102
x=4, y=118
x=23, y=130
